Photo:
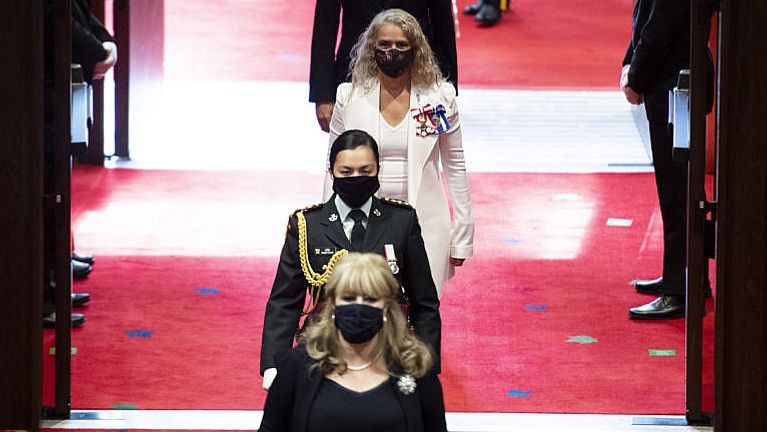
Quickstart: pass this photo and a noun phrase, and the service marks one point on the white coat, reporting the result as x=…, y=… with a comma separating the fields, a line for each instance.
x=443, y=238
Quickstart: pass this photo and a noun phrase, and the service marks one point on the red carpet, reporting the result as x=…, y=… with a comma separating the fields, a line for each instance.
x=535, y=322
x=537, y=44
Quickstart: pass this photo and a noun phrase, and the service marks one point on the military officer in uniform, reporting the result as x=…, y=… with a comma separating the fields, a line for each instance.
x=351, y=220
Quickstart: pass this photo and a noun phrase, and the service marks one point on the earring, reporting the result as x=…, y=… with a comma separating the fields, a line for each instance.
x=333, y=317
x=384, y=318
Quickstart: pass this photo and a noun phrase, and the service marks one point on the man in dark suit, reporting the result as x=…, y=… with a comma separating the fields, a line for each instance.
x=330, y=67
x=351, y=220
x=659, y=49
x=96, y=52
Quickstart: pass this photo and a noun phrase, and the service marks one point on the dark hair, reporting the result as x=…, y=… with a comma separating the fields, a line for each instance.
x=350, y=140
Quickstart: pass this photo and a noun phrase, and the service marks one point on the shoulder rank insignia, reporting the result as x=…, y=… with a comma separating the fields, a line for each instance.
x=307, y=208
x=397, y=202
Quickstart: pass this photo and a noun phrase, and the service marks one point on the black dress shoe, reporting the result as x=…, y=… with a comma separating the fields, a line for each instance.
x=663, y=307
x=652, y=286
x=80, y=270
x=472, y=9
x=84, y=258
x=79, y=299
x=488, y=15
x=49, y=320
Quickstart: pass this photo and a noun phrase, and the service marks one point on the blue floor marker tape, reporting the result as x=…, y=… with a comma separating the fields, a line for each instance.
x=207, y=291
x=517, y=393
x=536, y=307
x=140, y=333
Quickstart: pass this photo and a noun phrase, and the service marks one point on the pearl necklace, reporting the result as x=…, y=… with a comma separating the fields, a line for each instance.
x=358, y=368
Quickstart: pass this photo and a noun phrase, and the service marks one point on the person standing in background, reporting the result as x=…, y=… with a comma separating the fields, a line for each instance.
x=398, y=95
x=659, y=49
x=330, y=67
x=94, y=49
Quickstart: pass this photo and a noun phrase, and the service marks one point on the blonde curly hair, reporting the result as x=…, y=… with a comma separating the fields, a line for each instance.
x=367, y=275
x=364, y=70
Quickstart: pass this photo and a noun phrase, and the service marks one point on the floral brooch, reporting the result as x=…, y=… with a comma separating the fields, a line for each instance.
x=406, y=384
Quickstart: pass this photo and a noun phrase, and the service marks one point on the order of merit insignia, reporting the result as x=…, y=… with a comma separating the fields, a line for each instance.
x=430, y=120
x=423, y=117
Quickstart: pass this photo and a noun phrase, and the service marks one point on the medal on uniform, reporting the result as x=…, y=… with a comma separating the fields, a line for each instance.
x=391, y=258
x=423, y=116
x=333, y=217
x=439, y=118
x=377, y=212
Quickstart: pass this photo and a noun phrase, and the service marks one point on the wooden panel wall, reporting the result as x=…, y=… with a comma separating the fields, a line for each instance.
x=21, y=142
x=140, y=34
x=741, y=320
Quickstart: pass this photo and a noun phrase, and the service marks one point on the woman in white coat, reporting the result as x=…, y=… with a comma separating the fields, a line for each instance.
x=399, y=96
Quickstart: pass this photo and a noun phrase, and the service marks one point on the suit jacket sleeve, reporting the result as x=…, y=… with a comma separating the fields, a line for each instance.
x=630, y=50
x=432, y=404
x=87, y=35
x=454, y=166
x=421, y=292
x=629, y=54
x=278, y=408
x=666, y=19
x=322, y=78
x=443, y=38
x=286, y=301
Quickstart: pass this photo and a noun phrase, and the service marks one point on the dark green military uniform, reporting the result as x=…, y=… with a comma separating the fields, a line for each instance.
x=389, y=223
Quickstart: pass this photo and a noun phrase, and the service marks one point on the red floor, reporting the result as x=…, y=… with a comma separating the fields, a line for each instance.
x=537, y=44
x=535, y=322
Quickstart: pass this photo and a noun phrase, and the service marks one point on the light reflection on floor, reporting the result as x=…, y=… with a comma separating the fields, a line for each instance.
x=271, y=126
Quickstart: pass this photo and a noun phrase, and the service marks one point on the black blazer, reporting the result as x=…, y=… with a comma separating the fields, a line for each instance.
x=330, y=68
x=290, y=399
x=389, y=223
x=87, y=35
x=660, y=44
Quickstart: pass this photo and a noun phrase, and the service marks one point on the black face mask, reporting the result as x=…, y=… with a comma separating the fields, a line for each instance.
x=354, y=191
x=357, y=322
x=393, y=63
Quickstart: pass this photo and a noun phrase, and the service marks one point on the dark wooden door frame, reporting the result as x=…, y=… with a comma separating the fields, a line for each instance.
x=697, y=209
x=21, y=253
x=121, y=20
x=139, y=31
x=58, y=206
x=741, y=295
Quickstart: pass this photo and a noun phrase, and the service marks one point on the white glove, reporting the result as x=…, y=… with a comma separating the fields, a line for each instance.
x=269, y=376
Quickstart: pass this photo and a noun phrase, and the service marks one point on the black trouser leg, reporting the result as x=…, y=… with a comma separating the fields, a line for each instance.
x=671, y=182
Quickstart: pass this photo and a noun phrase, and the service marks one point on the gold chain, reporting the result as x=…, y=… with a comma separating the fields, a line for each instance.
x=315, y=280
